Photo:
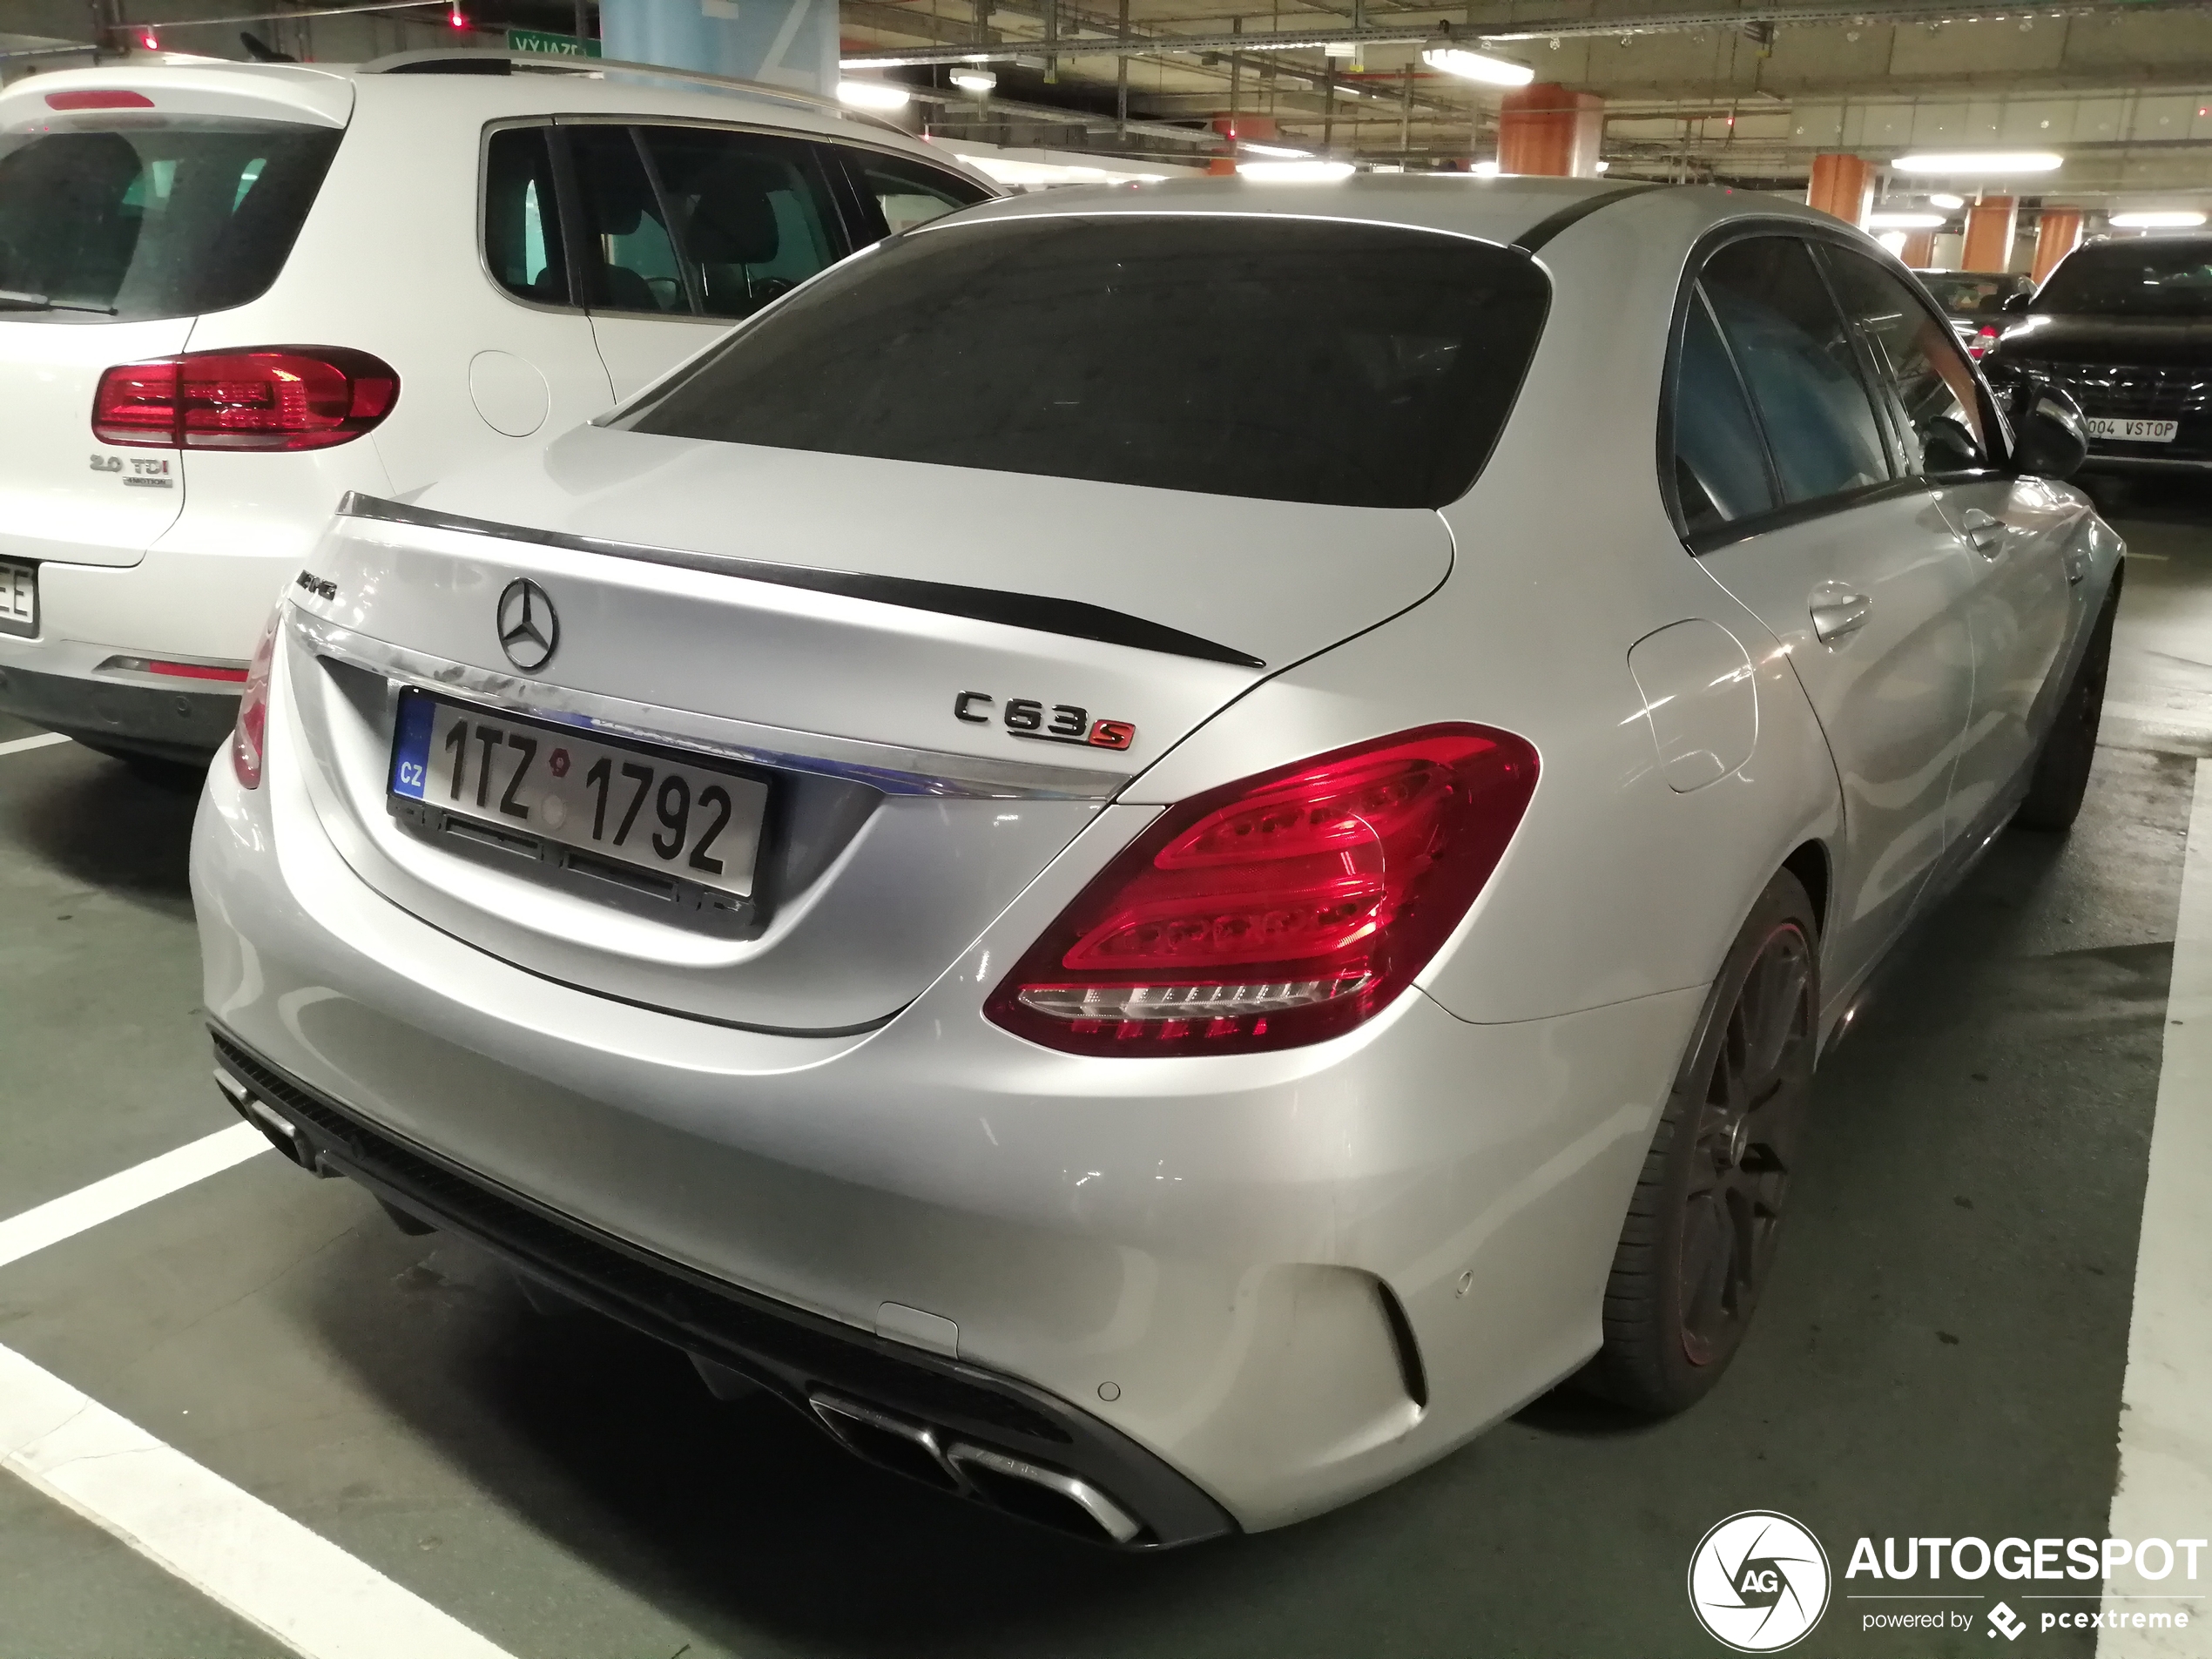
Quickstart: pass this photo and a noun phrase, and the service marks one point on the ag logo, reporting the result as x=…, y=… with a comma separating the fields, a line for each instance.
x=1758, y=1581
x=529, y=631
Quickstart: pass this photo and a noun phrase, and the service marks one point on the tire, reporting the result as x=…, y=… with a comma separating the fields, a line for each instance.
x=1699, y=1242
x=2061, y=775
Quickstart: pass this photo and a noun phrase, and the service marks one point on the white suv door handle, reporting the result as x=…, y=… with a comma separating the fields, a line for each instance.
x=1838, y=611
x=1984, y=532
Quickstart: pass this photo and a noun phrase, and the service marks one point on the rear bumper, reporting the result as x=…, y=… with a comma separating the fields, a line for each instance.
x=173, y=725
x=864, y=1389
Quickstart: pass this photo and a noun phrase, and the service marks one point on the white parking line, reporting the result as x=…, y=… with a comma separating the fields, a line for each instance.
x=14, y=745
x=268, y=1568
x=235, y=1549
x=119, y=1194
x=2165, y=1488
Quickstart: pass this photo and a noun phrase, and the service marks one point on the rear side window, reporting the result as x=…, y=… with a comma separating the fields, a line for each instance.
x=163, y=218
x=1289, y=360
x=1720, y=459
x=909, y=194
x=522, y=244
x=633, y=266
x=751, y=214
x=1797, y=357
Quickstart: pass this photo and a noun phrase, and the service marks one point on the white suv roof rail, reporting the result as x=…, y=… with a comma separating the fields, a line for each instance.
x=402, y=62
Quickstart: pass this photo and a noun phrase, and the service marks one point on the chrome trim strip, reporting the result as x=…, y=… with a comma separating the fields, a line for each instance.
x=889, y=767
x=1072, y=618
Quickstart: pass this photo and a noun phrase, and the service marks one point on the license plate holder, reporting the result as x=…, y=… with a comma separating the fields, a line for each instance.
x=646, y=828
x=2114, y=429
x=18, y=599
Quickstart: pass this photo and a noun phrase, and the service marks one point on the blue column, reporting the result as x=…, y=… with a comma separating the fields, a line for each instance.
x=785, y=43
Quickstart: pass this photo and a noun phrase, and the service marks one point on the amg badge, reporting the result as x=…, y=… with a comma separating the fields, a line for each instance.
x=1024, y=717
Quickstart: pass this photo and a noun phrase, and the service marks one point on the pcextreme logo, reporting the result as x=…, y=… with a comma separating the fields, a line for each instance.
x=1758, y=1581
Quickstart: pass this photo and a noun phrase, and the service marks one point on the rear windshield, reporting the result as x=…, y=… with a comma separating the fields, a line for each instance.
x=1289, y=359
x=2144, y=278
x=166, y=218
x=1963, y=292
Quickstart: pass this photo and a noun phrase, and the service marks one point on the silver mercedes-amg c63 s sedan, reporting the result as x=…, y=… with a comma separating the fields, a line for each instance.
x=1155, y=850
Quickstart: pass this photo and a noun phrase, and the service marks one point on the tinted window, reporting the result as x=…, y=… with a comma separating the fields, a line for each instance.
x=909, y=194
x=164, y=219
x=2149, y=277
x=633, y=266
x=1936, y=405
x=751, y=214
x=1720, y=459
x=1797, y=356
x=522, y=220
x=1972, y=294
x=1286, y=358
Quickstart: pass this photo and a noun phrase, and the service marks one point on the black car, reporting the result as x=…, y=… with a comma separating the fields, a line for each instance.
x=1974, y=300
x=2125, y=326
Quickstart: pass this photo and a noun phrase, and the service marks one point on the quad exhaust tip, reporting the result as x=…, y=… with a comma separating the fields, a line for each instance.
x=1065, y=1502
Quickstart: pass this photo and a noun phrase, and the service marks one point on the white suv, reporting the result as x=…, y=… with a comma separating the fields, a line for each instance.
x=229, y=294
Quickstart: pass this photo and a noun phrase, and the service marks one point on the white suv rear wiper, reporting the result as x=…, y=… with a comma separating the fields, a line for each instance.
x=10, y=300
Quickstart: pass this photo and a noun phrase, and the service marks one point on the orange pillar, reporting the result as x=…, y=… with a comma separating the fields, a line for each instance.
x=2057, y=234
x=1918, y=251
x=1548, y=130
x=1989, y=234
x=1842, y=186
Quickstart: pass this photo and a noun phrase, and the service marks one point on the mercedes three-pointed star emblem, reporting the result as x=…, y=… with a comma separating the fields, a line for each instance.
x=528, y=629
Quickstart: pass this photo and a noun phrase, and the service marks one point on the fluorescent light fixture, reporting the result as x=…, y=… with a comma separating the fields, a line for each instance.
x=1485, y=170
x=1341, y=49
x=1903, y=221
x=974, y=80
x=1604, y=166
x=1972, y=161
x=2160, y=219
x=1291, y=173
x=1478, y=66
x=1893, y=241
x=871, y=95
x=1281, y=152
x=1941, y=199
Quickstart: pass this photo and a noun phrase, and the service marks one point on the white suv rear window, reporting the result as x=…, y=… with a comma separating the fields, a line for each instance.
x=153, y=218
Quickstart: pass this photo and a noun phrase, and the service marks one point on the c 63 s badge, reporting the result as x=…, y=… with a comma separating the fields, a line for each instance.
x=1025, y=717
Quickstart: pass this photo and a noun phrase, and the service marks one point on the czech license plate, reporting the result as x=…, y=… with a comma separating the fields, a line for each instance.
x=2131, y=431
x=18, y=599
x=692, y=822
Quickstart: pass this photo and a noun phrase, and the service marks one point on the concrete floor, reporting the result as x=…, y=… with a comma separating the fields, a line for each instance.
x=1941, y=1354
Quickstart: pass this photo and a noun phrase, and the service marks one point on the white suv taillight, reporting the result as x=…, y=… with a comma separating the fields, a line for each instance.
x=275, y=397
x=250, y=736
x=1281, y=910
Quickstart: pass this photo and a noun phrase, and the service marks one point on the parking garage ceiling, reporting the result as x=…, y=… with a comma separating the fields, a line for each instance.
x=1745, y=95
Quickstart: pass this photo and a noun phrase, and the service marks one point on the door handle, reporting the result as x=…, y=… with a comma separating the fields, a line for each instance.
x=1984, y=532
x=1838, y=611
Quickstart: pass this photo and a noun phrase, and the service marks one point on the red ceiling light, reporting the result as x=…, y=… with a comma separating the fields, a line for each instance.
x=1278, y=911
x=455, y=20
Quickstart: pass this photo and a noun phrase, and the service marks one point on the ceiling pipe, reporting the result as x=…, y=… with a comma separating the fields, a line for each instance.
x=1560, y=28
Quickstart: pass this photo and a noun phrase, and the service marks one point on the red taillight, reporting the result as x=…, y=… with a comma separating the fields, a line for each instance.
x=249, y=738
x=98, y=100
x=1985, y=337
x=280, y=397
x=1280, y=910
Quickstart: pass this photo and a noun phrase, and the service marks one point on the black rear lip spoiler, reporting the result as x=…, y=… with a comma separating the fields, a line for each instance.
x=1071, y=619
